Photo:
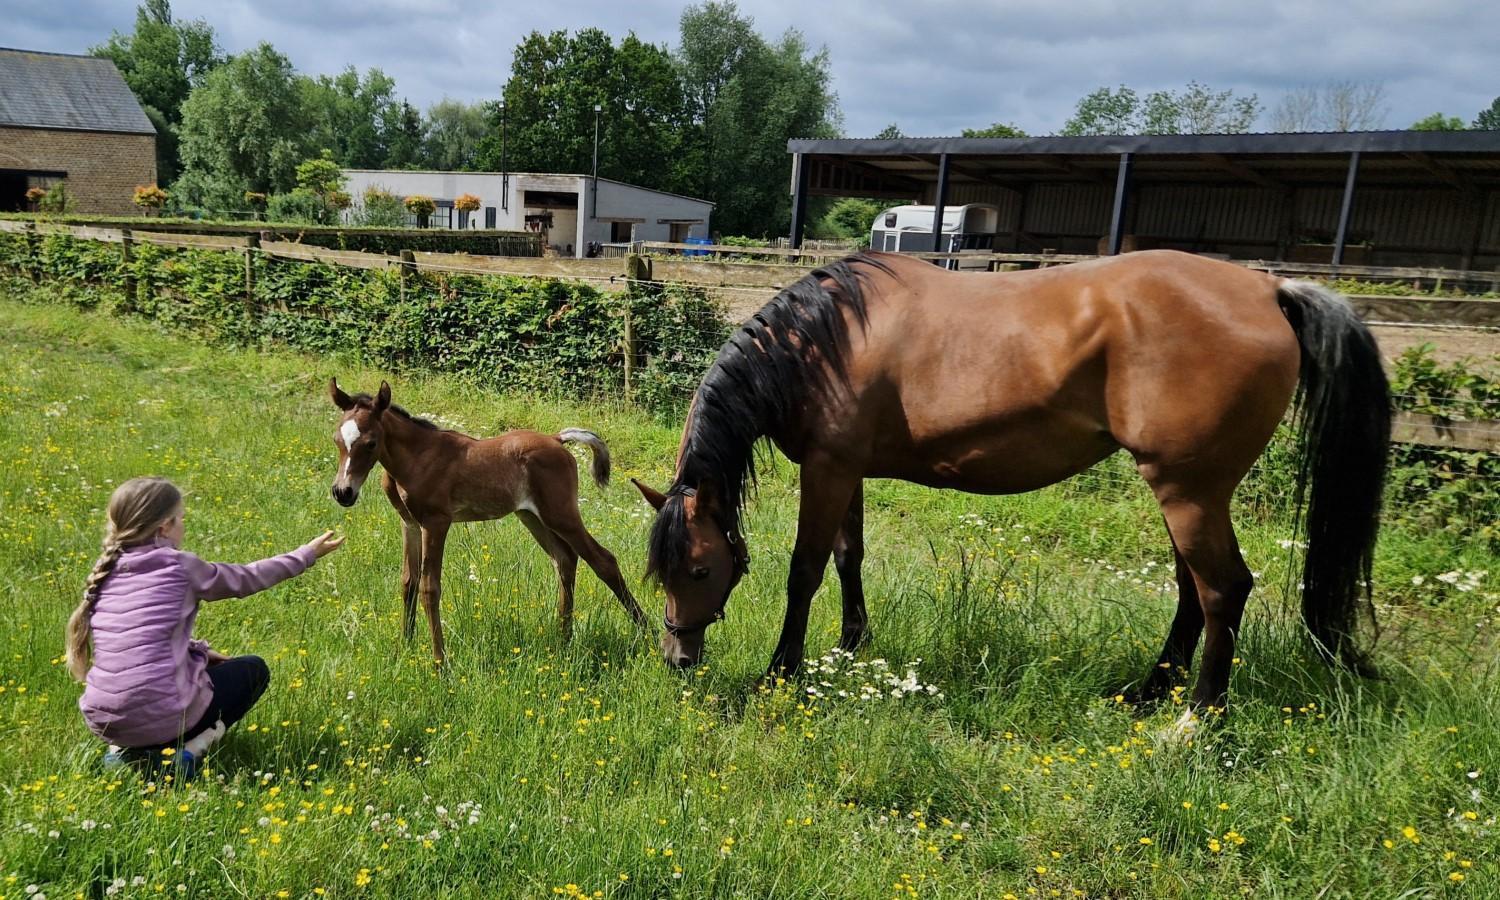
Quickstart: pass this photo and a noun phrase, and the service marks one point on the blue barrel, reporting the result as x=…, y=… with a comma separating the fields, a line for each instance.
x=702, y=242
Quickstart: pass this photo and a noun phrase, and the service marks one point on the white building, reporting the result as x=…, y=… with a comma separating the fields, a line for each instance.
x=571, y=211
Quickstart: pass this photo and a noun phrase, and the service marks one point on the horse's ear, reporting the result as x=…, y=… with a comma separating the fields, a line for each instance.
x=654, y=497
x=340, y=399
x=383, y=399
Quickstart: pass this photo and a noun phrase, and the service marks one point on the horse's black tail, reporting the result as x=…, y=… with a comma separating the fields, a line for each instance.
x=595, y=443
x=1343, y=409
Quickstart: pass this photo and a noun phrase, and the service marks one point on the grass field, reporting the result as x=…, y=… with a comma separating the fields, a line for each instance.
x=1004, y=766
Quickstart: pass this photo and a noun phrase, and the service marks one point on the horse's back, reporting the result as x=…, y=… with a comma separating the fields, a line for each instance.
x=1161, y=352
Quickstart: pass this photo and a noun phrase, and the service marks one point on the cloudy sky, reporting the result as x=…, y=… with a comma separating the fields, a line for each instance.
x=934, y=72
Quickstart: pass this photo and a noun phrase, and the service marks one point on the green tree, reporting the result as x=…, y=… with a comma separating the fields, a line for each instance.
x=1439, y=122
x=1105, y=111
x=1196, y=109
x=997, y=130
x=453, y=133
x=244, y=129
x=849, y=218
x=751, y=96
x=352, y=116
x=890, y=133
x=162, y=60
x=406, y=134
x=556, y=82
x=1488, y=119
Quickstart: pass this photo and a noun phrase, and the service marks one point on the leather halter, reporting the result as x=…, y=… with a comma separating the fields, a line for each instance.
x=741, y=566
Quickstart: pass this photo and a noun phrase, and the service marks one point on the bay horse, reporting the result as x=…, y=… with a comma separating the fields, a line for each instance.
x=435, y=477
x=882, y=366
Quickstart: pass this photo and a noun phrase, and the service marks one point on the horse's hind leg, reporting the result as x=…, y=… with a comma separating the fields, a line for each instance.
x=1205, y=538
x=567, y=525
x=1182, y=640
x=848, y=555
x=566, y=563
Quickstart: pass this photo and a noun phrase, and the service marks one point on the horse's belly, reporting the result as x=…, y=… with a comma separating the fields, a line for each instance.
x=1009, y=461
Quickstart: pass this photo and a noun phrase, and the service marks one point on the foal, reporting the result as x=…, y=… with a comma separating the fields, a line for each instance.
x=435, y=477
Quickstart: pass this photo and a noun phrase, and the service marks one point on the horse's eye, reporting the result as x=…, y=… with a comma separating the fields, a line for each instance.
x=698, y=572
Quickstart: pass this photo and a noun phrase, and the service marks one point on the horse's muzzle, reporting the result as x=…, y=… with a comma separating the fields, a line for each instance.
x=345, y=495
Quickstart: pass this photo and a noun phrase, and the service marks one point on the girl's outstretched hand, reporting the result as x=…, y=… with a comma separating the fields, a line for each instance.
x=325, y=544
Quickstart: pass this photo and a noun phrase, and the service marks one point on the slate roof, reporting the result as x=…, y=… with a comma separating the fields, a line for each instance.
x=60, y=90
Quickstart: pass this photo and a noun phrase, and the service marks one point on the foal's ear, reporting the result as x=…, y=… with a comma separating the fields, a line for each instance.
x=382, y=399
x=340, y=399
x=653, y=496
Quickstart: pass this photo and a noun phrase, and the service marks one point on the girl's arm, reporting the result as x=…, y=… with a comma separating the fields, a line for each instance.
x=216, y=581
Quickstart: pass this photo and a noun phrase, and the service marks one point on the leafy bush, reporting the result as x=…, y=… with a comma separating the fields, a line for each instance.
x=505, y=332
x=1458, y=490
x=381, y=209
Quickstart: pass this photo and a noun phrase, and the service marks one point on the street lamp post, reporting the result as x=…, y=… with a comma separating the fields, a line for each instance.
x=594, y=214
x=504, y=168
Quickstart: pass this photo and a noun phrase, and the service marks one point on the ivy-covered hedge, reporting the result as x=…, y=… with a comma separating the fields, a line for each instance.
x=505, y=332
x=488, y=242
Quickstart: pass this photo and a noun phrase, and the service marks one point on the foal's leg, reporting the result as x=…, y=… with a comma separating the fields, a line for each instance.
x=411, y=575
x=826, y=496
x=566, y=563
x=1205, y=537
x=567, y=526
x=411, y=556
x=1182, y=640
x=848, y=554
x=434, y=536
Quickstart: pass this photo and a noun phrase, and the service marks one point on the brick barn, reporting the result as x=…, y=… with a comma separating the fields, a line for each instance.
x=72, y=118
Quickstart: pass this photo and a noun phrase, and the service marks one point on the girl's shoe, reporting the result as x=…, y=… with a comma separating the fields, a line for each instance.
x=184, y=767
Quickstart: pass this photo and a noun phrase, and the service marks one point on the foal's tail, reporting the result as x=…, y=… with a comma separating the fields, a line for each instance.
x=595, y=443
x=1343, y=409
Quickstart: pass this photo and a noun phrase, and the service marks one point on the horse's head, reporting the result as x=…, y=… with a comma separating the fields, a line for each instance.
x=357, y=438
x=698, y=556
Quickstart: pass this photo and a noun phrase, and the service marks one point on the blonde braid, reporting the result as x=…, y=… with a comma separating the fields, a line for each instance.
x=137, y=509
x=80, y=650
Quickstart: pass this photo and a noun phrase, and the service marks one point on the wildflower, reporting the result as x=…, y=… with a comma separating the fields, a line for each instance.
x=1411, y=834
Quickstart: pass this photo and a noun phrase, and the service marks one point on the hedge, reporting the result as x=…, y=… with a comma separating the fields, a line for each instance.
x=504, y=332
x=487, y=242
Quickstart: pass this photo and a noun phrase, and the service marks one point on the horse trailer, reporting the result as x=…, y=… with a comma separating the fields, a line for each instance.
x=966, y=229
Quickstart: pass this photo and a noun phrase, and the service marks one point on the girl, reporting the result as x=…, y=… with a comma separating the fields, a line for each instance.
x=151, y=688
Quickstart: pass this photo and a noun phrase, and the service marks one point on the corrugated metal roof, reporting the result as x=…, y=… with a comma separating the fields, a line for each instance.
x=59, y=90
x=1291, y=143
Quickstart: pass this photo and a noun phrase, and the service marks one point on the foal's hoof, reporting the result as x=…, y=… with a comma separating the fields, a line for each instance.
x=850, y=641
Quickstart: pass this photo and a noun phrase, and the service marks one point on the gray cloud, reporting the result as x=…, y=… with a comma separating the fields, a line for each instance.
x=933, y=70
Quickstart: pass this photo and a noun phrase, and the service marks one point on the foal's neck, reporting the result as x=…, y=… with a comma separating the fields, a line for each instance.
x=404, y=441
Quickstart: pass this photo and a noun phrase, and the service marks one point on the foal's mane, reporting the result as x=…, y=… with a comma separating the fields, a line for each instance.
x=757, y=387
x=368, y=402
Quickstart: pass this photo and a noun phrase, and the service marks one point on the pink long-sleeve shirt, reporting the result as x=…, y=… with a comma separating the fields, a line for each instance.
x=149, y=681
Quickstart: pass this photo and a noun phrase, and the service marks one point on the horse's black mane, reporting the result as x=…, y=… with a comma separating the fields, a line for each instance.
x=368, y=402
x=755, y=389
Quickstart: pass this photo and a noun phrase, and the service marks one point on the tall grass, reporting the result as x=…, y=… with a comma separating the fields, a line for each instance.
x=536, y=769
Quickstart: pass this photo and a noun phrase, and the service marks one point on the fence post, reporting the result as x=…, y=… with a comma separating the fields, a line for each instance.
x=408, y=268
x=127, y=265
x=629, y=349
x=33, y=264
x=252, y=244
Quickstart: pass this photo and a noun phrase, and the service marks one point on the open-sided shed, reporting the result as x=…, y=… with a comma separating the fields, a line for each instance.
x=1392, y=198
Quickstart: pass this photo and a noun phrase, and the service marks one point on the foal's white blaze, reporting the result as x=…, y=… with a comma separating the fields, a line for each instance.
x=349, y=431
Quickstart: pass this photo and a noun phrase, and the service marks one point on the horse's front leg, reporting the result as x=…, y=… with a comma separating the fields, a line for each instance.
x=434, y=536
x=848, y=555
x=411, y=556
x=826, y=493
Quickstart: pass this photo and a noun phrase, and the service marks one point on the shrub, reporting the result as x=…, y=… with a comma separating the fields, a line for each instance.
x=149, y=196
x=56, y=200
x=381, y=209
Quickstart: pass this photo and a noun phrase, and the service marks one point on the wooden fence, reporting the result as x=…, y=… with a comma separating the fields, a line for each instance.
x=759, y=279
